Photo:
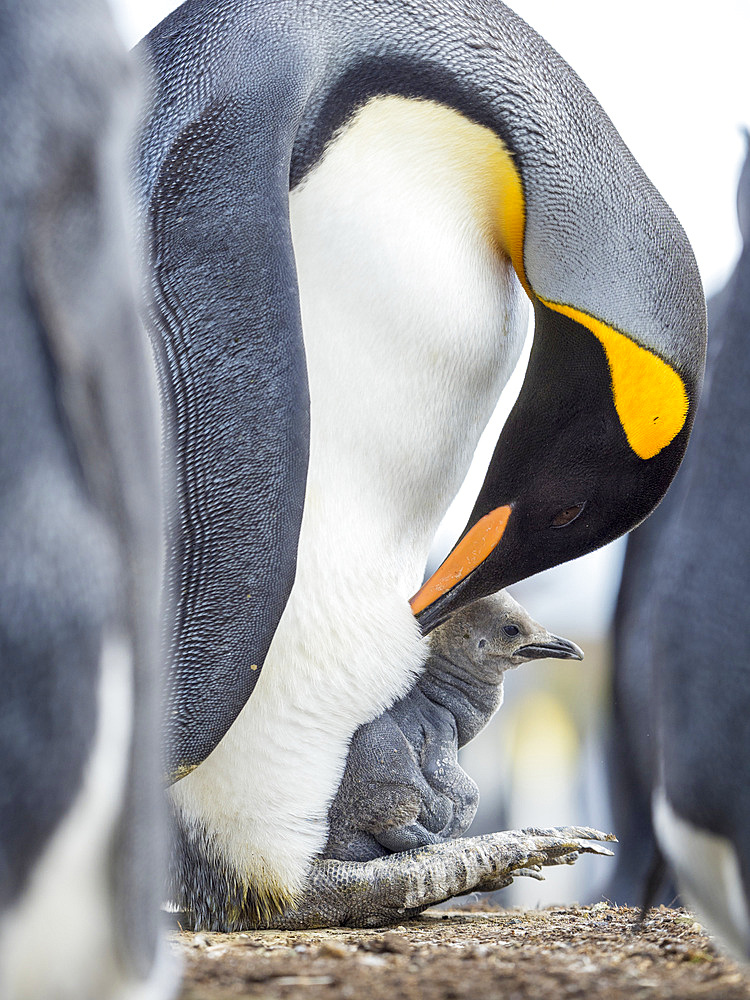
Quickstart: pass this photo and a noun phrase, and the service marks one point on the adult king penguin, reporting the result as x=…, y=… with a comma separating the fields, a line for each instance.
x=356, y=200
x=81, y=809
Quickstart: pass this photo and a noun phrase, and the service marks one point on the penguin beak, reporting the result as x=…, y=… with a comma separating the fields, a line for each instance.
x=557, y=648
x=428, y=604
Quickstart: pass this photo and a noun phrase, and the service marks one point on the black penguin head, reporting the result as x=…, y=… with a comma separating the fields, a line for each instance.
x=565, y=477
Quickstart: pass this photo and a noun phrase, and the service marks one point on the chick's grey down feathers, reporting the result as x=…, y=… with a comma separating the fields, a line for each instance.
x=403, y=786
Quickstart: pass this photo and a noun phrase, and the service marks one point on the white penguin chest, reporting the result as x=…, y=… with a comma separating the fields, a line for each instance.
x=413, y=321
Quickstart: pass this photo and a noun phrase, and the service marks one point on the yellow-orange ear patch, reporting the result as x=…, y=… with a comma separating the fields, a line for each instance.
x=650, y=397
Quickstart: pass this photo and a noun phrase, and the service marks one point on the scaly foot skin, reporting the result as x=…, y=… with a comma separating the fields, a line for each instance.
x=391, y=889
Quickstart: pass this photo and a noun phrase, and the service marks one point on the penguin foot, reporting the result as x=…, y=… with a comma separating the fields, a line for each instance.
x=391, y=889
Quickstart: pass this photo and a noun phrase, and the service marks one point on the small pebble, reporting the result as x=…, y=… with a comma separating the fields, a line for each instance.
x=396, y=943
x=476, y=951
x=304, y=981
x=333, y=949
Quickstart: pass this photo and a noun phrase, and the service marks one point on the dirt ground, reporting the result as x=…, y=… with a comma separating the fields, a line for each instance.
x=597, y=952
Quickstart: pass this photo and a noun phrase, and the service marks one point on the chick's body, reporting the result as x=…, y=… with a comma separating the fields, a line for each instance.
x=403, y=786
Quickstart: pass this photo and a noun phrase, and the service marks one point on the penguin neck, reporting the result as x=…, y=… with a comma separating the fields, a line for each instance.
x=472, y=694
x=413, y=319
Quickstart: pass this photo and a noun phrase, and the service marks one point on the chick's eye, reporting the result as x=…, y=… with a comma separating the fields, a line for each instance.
x=511, y=629
x=567, y=516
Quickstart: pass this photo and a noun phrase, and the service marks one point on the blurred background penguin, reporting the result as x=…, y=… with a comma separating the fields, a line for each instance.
x=80, y=535
x=680, y=748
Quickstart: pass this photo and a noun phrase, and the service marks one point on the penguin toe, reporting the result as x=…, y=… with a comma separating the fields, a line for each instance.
x=394, y=888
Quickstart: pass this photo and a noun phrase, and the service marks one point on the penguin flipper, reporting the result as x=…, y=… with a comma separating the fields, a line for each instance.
x=394, y=888
x=226, y=330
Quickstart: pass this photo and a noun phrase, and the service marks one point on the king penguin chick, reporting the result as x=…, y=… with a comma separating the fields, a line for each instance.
x=348, y=207
x=403, y=786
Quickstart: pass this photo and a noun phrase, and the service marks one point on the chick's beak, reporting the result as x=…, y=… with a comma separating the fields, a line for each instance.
x=555, y=647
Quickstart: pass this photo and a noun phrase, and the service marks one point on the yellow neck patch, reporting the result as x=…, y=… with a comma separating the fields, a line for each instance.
x=505, y=180
x=650, y=397
x=491, y=171
x=471, y=161
x=460, y=157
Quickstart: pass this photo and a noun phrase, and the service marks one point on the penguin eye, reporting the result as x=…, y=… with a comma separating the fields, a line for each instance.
x=567, y=516
x=511, y=629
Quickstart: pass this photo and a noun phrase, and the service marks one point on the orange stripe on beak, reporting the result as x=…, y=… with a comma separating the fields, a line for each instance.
x=472, y=550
